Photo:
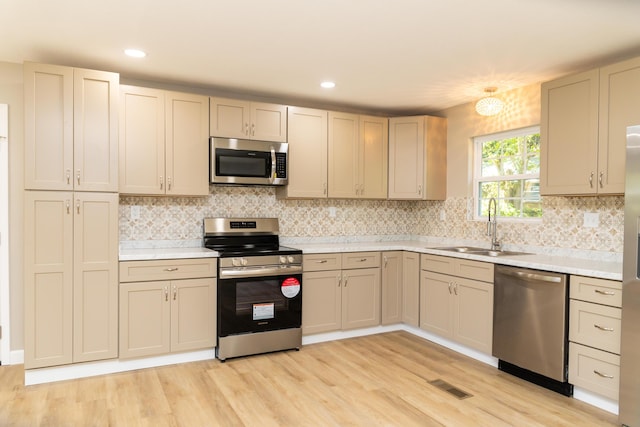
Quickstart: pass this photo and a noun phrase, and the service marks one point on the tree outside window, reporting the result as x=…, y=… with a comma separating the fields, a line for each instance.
x=507, y=167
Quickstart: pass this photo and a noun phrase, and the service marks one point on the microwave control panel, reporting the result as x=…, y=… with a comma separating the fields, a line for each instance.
x=281, y=165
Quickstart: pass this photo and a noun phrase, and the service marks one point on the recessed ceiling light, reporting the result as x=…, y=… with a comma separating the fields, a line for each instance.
x=328, y=85
x=135, y=53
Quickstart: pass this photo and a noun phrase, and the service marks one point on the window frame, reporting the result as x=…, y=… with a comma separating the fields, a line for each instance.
x=477, y=142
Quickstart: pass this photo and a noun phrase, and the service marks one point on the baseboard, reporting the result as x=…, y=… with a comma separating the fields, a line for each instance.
x=596, y=400
x=16, y=357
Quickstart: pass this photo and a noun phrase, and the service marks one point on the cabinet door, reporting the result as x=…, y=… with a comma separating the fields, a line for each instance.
x=144, y=319
x=411, y=288
x=435, y=174
x=619, y=106
x=373, y=157
x=391, y=287
x=473, y=321
x=193, y=314
x=360, y=298
x=307, y=154
x=48, y=133
x=95, y=130
x=406, y=157
x=343, y=155
x=436, y=303
x=229, y=118
x=268, y=122
x=321, y=302
x=48, y=282
x=142, y=160
x=95, y=282
x=187, y=144
x=569, y=135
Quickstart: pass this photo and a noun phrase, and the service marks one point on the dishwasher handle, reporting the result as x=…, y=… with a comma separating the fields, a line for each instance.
x=531, y=276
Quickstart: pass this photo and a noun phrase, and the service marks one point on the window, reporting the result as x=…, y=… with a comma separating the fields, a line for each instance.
x=507, y=167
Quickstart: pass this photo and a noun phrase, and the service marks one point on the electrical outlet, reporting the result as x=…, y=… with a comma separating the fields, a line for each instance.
x=591, y=219
x=135, y=212
x=443, y=215
x=332, y=212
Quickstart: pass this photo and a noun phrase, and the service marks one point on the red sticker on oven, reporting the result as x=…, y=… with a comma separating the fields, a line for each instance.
x=290, y=287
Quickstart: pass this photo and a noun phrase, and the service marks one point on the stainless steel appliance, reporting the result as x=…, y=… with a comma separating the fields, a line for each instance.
x=629, y=397
x=259, y=297
x=242, y=161
x=530, y=326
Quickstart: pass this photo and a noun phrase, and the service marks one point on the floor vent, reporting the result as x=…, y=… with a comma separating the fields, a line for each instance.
x=443, y=385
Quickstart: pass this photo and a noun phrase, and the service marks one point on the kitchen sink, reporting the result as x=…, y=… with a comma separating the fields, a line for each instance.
x=480, y=251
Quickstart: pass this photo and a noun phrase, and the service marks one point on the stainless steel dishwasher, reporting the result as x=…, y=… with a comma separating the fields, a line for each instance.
x=530, y=326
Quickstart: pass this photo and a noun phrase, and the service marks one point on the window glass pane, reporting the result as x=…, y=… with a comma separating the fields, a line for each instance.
x=488, y=190
x=490, y=167
x=531, y=209
x=533, y=163
x=510, y=188
x=512, y=166
x=510, y=207
x=533, y=143
x=531, y=189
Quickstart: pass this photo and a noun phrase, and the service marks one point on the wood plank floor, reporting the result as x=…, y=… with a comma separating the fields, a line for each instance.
x=379, y=380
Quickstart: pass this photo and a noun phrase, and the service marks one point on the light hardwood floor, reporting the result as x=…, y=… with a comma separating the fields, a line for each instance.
x=379, y=380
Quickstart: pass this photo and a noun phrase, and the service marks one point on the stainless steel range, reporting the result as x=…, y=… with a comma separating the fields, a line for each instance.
x=259, y=298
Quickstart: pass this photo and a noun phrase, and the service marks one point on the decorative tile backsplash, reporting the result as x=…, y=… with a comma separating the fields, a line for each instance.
x=180, y=218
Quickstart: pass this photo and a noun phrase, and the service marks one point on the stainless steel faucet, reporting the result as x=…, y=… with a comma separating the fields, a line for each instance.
x=492, y=226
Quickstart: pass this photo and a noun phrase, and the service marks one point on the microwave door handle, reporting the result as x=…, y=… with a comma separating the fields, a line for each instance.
x=272, y=175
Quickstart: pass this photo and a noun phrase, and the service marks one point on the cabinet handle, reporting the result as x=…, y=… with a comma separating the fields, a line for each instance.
x=361, y=260
x=450, y=284
x=78, y=205
x=322, y=261
x=600, y=178
x=455, y=288
x=600, y=374
x=602, y=328
x=175, y=292
x=607, y=293
x=419, y=190
x=324, y=188
x=161, y=182
x=68, y=176
x=166, y=294
x=346, y=280
x=246, y=128
x=78, y=176
x=591, y=180
x=339, y=280
x=253, y=129
x=384, y=258
x=171, y=269
x=68, y=206
x=168, y=183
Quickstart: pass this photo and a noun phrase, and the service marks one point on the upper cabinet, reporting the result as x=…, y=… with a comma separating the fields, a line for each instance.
x=358, y=147
x=164, y=145
x=417, y=158
x=232, y=118
x=71, y=128
x=307, y=154
x=583, y=129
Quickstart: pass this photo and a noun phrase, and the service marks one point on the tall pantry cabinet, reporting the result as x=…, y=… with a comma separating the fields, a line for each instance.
x=71, y=215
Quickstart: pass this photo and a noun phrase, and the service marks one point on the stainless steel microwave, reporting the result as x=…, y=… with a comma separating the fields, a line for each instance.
x=243, y=161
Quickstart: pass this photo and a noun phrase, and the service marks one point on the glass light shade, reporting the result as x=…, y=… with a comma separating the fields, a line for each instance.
x=489, y=106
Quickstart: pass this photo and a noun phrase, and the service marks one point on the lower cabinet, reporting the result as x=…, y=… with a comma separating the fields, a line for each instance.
x=411, y=288
x=162, y=316
x=400, y=287
x=457, y=305
x=341, y=291
x=594, y=334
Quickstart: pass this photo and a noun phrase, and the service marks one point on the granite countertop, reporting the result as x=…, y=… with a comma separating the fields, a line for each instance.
x=560, y=261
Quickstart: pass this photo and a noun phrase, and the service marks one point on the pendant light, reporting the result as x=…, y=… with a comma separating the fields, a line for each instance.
x=489, y=105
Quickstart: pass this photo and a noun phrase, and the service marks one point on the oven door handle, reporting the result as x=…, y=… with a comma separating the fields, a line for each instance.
x=240, y=272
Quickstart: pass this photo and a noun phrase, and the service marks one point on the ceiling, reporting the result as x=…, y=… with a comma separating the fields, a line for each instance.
x=395, y=57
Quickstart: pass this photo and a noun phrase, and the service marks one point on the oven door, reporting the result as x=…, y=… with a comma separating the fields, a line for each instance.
x=258, y=304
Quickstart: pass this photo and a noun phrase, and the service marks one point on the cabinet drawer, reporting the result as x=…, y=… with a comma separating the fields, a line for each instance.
x=476, y=270
x=167, y=269
x=437, y=264
x=595, y=370
x=321, y=262
x=601, y=291
x=595, y=325
x=361, y=260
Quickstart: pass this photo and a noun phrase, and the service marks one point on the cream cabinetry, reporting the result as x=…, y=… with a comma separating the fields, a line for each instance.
x=417, y=158
x=594, y=334
x=456, y=300
x=307, y=154
x=583, y=129
x=392, y=287
x=167, y=306
x=358, y=147
x=71, y=128
x=71, y=277
x=232, y=118
x=341, y=291
x=164, y=145
x=411, y=288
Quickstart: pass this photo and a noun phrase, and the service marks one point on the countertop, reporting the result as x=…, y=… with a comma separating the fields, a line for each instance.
x=611, y=270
